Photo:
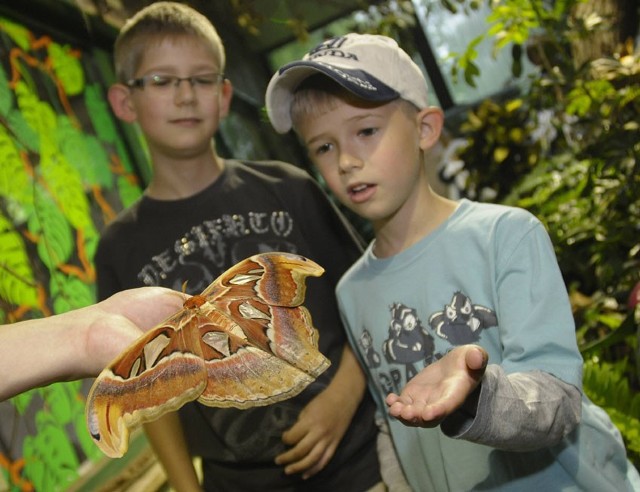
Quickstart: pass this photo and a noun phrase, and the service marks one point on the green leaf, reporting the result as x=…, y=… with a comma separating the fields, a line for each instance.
x=84, y=153
x=17, y=283
x=15, y=183
x=6, y=96
x=22, y=401
x=56, y=243
x=129, y=192
x=60, y=399
x=19, y=34
x=471, y=72
x=65, y=184
x=24, y=135
x=100, y=114
x=39, y=115
x=66, y=65
x=69, y=293
x=50, y=460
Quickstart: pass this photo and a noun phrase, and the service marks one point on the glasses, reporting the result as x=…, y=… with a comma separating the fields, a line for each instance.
x=163, y=83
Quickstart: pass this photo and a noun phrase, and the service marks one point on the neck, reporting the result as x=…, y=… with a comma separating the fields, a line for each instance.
x=174, y=179
x=409, y=226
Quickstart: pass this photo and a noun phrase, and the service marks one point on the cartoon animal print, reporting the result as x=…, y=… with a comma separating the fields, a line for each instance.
x=371, y=356
x=408, y=340
x=461, y=322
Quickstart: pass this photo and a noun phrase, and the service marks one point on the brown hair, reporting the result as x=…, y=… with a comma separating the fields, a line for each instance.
x=159, y=21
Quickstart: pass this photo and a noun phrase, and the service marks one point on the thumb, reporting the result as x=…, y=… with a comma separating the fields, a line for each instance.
x=476, y=358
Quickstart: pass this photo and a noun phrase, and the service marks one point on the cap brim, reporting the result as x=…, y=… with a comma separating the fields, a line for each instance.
x=283, y=85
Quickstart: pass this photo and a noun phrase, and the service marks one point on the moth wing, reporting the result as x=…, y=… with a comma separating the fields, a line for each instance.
x=161, y=371
x=263, y=295
x=276, y=278
x=242, y=374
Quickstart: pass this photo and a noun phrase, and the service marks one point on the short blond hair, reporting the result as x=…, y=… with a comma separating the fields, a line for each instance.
x=157, y=22
x=319, y=94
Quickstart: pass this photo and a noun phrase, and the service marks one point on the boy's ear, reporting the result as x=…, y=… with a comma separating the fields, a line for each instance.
x=120, y=101
x=226, y=93
x=430, y=121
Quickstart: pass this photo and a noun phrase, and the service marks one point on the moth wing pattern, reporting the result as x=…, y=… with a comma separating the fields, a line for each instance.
x=245, y=341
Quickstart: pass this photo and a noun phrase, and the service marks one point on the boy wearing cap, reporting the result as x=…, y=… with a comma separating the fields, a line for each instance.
x=444, y=286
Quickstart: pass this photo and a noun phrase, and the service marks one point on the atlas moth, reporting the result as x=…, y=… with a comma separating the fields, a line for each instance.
x=245, y=341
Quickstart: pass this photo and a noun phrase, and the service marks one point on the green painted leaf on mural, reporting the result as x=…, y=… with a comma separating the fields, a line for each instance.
x=70, y=293
x=129, y=192
x=25, y=136
x=6, y=96
x=123, y=154
x=17, y=284
x=91, y=238
x=38, y=114
x=85, y=153
x=98, y=162
x=15, y=183
x=56, y=242
x=67, y=68
x=65, y=184
x=17, y=32
x=22, y=401
x=61, y=400
x=100, y=113
x=50, y=460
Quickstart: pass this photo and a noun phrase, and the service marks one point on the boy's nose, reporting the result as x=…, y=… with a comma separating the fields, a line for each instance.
x=184, y=92
x=349, y=162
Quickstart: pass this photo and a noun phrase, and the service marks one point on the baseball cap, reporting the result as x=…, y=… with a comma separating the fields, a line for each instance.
x=370, y=66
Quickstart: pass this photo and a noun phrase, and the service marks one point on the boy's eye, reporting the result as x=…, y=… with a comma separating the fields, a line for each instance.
x=207, y=79
x=203, y=81
x=367, y=132
x=161, y=80
x=323, y=149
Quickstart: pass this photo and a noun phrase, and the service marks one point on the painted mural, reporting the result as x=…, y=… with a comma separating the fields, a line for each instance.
x=65, y=171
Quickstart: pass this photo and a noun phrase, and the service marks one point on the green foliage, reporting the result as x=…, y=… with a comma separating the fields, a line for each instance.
x=604, y=383
x=64, y=172
x=16, y=274
x=568, y=149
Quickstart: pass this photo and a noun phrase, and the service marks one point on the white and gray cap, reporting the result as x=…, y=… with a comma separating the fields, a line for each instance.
x=371, y=66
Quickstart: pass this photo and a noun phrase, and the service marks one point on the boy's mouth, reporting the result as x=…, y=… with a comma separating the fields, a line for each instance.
x=186, y=121
x=361, y=192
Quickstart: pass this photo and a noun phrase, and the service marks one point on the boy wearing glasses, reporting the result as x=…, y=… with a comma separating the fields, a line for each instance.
x=199, y=215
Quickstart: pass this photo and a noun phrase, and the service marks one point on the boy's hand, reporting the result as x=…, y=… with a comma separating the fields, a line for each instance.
x=315, y=436
x=440, y=388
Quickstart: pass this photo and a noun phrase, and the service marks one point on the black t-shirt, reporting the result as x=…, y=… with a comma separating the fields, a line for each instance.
x=253, y=207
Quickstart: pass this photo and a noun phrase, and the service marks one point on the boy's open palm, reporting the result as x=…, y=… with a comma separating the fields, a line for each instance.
x=440, y=388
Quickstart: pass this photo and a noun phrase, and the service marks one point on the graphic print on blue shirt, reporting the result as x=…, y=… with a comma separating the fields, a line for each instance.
x=408, y=342
x=412, y=345
x=461, y=322
x=366, y=344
